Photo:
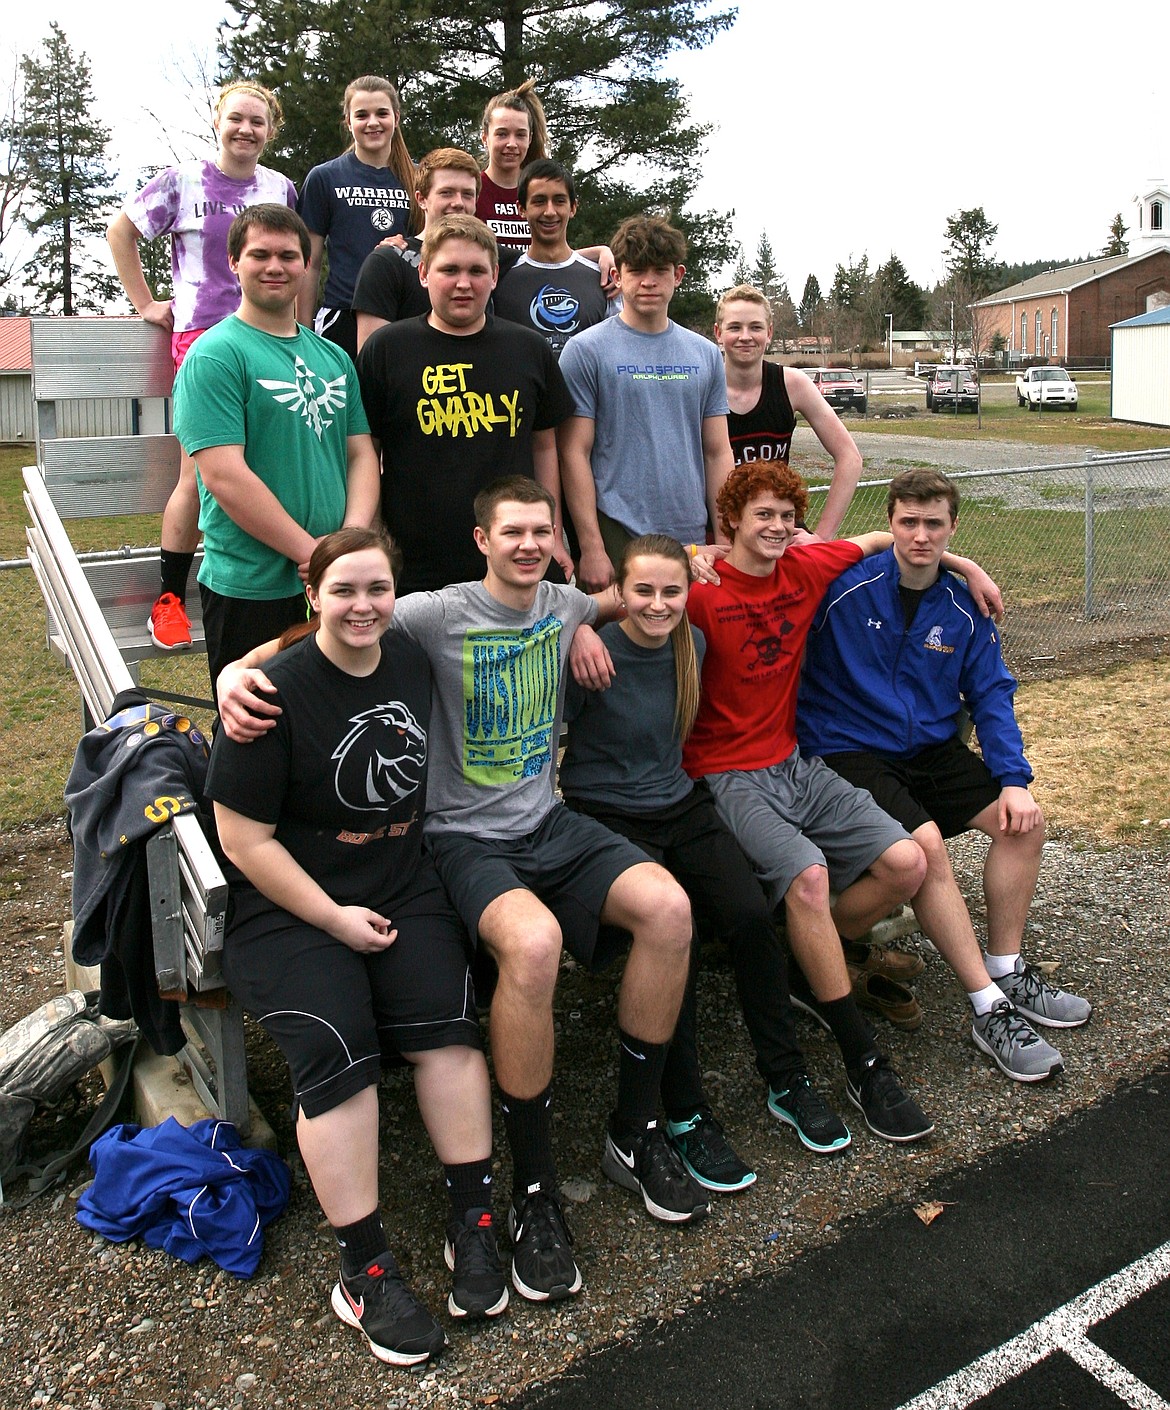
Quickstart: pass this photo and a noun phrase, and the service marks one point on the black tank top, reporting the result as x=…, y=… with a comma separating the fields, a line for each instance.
x=765, y=432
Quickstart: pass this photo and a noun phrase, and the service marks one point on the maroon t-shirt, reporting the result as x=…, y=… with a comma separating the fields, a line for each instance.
x=500, y=211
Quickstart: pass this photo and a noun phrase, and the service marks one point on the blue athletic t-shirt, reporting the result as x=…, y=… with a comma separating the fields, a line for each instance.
x=355, y=207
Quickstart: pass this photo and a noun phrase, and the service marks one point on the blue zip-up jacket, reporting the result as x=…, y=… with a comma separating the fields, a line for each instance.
x=867, y=684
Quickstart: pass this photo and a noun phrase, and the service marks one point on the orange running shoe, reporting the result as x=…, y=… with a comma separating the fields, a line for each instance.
x=170, y=627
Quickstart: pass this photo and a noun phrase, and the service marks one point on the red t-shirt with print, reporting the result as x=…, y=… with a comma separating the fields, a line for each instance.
x=755, y=630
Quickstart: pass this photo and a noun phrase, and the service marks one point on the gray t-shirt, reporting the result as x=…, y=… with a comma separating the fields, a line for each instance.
x=648, y=395
x=499, y=695
x=623, y=751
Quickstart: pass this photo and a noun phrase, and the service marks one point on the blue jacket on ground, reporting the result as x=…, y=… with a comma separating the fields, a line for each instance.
x=191, y=1190
x=868, y=684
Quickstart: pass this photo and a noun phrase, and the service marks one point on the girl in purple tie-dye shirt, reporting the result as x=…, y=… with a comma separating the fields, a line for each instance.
x=195, y=203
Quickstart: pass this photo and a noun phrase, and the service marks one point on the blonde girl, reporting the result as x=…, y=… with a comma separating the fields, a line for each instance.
x=194, y=204
x=623, y=766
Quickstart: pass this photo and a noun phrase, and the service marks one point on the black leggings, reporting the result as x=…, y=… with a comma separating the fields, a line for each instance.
x=691, y=842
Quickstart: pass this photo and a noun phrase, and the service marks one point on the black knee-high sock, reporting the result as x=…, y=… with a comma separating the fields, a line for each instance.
x=640, y=1066
x=174, y=569
x=854, y=1036
x=528, y=1123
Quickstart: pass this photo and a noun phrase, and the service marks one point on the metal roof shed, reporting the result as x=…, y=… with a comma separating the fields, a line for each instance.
x=1141, y=368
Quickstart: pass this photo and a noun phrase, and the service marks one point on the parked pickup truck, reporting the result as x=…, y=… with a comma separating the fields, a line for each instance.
x=952, y=386
x=839, y=387
x=1038, y=387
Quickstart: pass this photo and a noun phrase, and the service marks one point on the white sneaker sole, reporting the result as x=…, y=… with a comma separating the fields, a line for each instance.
x=985, y=1047
x=615, y=1169
x=384, y=1353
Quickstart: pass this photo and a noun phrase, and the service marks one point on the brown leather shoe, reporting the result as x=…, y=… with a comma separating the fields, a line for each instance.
x=893, y=1001
x=899, y=965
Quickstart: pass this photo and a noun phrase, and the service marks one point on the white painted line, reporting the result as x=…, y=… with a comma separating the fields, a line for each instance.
x=1124, y=1384
x=1062, y=1330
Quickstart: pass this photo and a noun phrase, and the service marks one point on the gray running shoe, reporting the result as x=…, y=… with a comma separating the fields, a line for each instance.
x=1043, y=1002
x=1014, y=1045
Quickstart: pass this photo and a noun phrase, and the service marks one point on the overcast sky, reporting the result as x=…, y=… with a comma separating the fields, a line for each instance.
x=844, y=129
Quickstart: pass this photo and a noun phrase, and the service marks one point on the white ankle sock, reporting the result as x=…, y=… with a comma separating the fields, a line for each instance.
x=984, y=1000
x=998, y=966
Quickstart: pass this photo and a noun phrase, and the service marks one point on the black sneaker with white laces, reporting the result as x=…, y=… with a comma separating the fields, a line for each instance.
x=378, y=1304
x=889, y=1111
x=543, y=1269
x=650, y=1166
x=479, y=1288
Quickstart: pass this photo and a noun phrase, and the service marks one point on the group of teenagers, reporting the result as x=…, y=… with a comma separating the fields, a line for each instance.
x=587, y=523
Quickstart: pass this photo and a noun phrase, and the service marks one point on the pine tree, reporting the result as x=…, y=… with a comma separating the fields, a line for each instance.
x=811, y=304
x=614, y=120
x=899, y=295
x=765, y=275
x=13, y=177
x=970, y=236
x=850, y=283
x=1118, y=244
x=70, y=187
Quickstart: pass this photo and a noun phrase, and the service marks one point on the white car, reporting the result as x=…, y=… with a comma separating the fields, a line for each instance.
x=1039, y=387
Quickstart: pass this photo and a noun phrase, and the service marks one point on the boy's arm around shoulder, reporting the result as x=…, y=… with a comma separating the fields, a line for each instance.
x=876, y=542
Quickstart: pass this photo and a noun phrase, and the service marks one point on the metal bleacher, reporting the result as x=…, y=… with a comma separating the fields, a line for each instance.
x=98, y=609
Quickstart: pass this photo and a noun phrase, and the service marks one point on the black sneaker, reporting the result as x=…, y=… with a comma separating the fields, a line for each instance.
x=889, y=1112
x=378, y=1303
x=479, y=1288
x=707, y=1153
x=802, y=1107
x=650, y=1166
x=543, y=1269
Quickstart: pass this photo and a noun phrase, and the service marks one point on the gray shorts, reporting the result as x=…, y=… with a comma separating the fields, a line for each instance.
x=569, y=862
x=799, y=814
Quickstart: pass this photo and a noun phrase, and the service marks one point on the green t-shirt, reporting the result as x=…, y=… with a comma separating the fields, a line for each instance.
x=292, y=403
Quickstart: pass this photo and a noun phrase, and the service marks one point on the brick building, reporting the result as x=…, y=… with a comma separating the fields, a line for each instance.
x=1064, y=315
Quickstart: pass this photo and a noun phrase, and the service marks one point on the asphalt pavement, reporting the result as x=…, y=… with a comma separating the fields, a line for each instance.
x=1043, y=1283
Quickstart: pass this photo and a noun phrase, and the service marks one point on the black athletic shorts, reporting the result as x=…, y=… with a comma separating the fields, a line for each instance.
x=569, y=862
x=947, y=784
x=337, y=1015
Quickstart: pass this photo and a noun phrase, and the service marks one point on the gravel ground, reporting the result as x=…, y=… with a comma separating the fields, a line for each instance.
x=86, y=1323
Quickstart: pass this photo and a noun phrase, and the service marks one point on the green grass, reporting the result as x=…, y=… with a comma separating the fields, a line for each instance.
x=40, y=719
x=1090, y=425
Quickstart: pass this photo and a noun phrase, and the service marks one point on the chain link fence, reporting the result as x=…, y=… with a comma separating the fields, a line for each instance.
x=1079, y=549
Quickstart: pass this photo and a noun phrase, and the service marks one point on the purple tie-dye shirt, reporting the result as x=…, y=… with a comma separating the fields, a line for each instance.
x=195, y=204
